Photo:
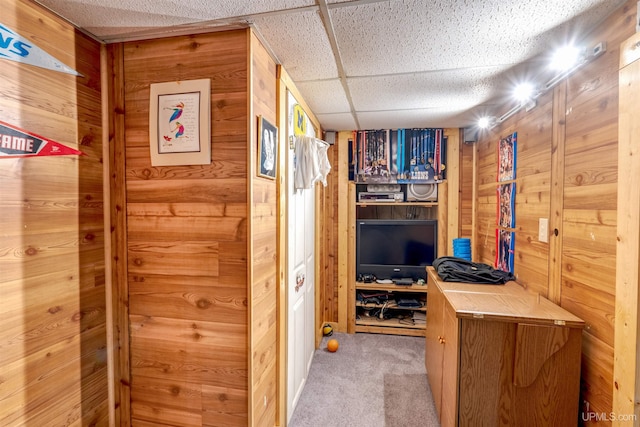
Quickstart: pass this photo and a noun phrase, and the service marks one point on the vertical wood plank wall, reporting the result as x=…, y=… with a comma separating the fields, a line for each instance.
x=53, y=334
x=626, y=374
x=119, y=296
x=466, y=182
x=201, y=242
x=263, y=253
x=586, y=193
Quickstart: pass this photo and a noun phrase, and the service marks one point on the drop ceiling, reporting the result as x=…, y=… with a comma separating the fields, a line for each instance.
x=373, y=64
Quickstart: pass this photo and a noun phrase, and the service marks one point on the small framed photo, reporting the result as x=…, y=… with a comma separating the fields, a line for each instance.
x=179, y=123
x=267, y=148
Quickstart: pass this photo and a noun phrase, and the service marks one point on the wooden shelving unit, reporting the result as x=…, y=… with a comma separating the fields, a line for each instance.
x=357, y=322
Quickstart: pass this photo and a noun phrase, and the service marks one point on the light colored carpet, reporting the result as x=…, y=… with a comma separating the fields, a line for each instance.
x=372, y=380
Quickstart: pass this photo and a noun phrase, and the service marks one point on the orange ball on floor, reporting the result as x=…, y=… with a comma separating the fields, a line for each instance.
x=332, y=345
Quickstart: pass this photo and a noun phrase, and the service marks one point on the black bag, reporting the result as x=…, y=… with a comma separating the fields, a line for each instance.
x=453, y=269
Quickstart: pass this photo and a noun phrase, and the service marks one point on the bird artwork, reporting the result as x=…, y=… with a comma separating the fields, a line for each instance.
x=177, y=111
x=179, y=130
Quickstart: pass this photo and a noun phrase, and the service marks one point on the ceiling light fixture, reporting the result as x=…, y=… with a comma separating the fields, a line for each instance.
x=485, y=122
x=524, y=92
x=566, y=57
x=529, y=102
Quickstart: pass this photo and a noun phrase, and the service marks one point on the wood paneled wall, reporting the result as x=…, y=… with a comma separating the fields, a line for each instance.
x=626, y=370
x=201, y=241
x=263, y=248
x=53, y=334
x=567, y=172
x=466, y=182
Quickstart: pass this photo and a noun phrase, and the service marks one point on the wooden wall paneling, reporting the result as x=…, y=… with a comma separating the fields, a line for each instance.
x=533, y=188
x=281, y=307
x=263, y=248
x=589, y=206
x=556, y=205
x=453, y=174
x=121, y=378
x=323, y=227
x=341, y=175
x=467, y=169
x=626, y=369
x=188, y=239
x=349, y=248
x=443, y=218
x=107, y=120
x=473, y=189
x=54, y=336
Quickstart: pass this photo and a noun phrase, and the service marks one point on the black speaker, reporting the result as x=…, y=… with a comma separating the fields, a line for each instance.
x=422, y=192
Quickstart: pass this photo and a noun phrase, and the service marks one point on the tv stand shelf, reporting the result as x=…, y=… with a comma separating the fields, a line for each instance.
x=391, y=287
x=402, y=318
x=389, y=327
x=423, y=204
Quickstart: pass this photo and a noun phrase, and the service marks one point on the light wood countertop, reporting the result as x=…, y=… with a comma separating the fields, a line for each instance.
x=508, y=303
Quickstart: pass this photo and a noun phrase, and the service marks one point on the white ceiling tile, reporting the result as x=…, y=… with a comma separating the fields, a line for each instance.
x=119, y=17
x=301, y=44
x=414, y=118
x=325, y=96
x=413, y=35
x=337, y=122
x=457, y=90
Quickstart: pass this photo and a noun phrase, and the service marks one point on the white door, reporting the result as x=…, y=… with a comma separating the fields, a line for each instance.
x=300, y=286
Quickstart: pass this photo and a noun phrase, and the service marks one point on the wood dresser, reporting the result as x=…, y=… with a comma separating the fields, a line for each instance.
x=498, y=355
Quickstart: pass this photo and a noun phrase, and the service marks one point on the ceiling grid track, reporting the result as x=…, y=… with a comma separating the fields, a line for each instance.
x=328, y=27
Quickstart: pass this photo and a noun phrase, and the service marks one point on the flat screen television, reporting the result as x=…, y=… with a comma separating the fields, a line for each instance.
x=395, y=248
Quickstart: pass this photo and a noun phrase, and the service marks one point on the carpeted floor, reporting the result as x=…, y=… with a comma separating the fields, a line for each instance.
x=372, y=380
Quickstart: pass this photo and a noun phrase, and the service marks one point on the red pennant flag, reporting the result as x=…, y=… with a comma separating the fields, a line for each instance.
x=15, y=142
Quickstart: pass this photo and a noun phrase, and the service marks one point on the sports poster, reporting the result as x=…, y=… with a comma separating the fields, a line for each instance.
x=505, y=242
x=507, y=150
x=399, y=156
x=506, y=205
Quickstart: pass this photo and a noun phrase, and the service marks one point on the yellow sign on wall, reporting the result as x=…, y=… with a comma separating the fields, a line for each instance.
x=299, y=121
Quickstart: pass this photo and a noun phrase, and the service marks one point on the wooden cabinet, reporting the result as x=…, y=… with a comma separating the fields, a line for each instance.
x=434, y=336
x=497, y=355
x=441, y=355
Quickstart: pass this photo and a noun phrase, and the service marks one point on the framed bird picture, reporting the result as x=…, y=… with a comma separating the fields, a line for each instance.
x=179, y=123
